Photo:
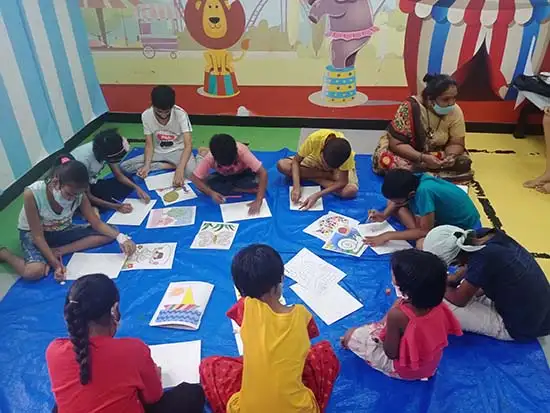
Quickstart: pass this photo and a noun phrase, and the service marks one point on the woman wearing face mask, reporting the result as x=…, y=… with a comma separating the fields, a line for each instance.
x=427, y=134
x=92, y=372
x=46, y=228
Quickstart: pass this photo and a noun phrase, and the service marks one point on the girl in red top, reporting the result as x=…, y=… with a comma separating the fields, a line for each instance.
x=408, y=343
x=94, y=372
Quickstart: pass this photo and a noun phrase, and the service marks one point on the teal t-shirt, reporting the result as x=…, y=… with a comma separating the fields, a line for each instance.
x=451, y=205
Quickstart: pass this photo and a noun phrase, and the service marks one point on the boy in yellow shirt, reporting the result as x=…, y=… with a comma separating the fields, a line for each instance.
x=327, y=159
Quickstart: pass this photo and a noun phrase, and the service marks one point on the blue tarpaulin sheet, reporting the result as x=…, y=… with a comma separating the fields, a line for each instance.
x=477, y=374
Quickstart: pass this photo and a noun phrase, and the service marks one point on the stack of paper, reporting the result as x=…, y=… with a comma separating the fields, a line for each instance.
x=238, y=211
x=135, y=218
x=312, y=272
x=83, y=263
x=317, y=286
x=378, y=228
x=178, y=362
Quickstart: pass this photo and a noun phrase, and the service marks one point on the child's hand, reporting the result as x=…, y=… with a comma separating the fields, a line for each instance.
x=309, y=202
x=124, y=208
x=143, y=171
x=254, y=207
x=143, y=196
x=344, y=341
x=376, y=241
x=128, y=247
x=179, y=178
x=376, y=216
x=295, y=194
x=60, y=271
x=217, y=198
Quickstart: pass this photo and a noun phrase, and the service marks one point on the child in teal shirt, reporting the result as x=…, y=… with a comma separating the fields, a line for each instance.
x=422, y=202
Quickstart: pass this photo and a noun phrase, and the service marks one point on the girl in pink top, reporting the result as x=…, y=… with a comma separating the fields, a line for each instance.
x=408, y=343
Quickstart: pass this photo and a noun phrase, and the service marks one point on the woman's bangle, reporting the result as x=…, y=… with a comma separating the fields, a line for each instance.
x=122, y=238
x=420, y=158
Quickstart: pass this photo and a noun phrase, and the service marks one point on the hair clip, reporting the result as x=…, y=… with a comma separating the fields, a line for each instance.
x=65, y=159
x=73, y=302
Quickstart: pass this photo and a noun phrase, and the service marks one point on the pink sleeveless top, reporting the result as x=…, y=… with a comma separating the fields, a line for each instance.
x=422, y=344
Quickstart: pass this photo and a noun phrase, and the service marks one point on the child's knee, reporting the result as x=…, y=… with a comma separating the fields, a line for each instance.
x=35, y=271
x=284, y=166
x=349, y=191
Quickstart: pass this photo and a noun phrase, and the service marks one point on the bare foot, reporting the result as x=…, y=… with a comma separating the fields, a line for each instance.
x=534, y=183
x=3, y=253
x=203, y=151
x=544, y=188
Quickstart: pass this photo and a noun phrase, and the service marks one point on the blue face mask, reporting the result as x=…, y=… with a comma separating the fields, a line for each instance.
x=442, y=111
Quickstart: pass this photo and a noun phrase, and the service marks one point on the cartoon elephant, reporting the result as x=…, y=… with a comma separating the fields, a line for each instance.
x=351, y=25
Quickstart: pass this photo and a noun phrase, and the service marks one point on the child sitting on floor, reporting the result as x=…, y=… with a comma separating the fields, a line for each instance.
x=422, y=202
x=108, y=147
x=280, y=370
x=91, y=371
x=409, y=342
x=327, y=159
x=236, y=170
x=46, y=228
x=168, y=141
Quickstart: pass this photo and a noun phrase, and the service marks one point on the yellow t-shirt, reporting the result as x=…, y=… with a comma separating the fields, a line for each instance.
x=275, y=349
x=314, y=144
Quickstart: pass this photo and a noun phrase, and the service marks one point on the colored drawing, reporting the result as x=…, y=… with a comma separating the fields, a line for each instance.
x=151, y=257
x=215, y=235
x=346, y=240
x=217, y=25
x=172, y=217
x=171, y=196
x=183, y=305
x=325, y=226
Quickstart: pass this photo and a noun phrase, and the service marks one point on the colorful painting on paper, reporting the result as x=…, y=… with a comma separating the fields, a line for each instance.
x=215, y=235
x=172, y=217
x=356, y=59
x=346, y=240
x=151, y=257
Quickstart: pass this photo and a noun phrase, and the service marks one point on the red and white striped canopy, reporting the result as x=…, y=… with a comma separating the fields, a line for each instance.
x=108, y=4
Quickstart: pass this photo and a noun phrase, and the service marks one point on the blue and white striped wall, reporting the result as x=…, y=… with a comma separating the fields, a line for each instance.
x=48, y=86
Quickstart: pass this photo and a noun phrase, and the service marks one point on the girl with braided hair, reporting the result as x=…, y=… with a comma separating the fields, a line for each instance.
x=93, y=372
x=408, y=343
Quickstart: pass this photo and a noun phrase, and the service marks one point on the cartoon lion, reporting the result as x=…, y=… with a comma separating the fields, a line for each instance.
x=217, y=25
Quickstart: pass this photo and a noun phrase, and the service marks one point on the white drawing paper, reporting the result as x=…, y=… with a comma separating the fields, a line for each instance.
x=312, y=272
x=134, y=218
x=82, y=263
x=377, y=228
x=160, y=181
x=307, y=191
x=179, y=362
x=183, y=305
x=238, y=211
x=333, y=305
x=215, y=236
x=324, y=226
x=172, y=196
x=152, y=257
x=172, y=217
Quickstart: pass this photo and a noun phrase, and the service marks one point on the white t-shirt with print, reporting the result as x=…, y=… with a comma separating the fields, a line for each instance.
x=85, y=154
x=171, y=132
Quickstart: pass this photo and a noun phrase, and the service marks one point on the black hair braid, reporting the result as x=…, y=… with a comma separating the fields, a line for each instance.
x=78, y=331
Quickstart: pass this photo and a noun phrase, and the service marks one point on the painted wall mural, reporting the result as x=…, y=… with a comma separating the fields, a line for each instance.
x=314, y=58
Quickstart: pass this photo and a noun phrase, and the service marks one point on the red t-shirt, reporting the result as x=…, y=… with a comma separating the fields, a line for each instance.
x=123, y=376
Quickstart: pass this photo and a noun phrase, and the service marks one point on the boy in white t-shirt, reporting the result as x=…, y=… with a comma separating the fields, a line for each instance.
x=168, y=142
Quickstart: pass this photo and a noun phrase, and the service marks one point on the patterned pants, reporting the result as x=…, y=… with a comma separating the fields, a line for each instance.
x=221, y=377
